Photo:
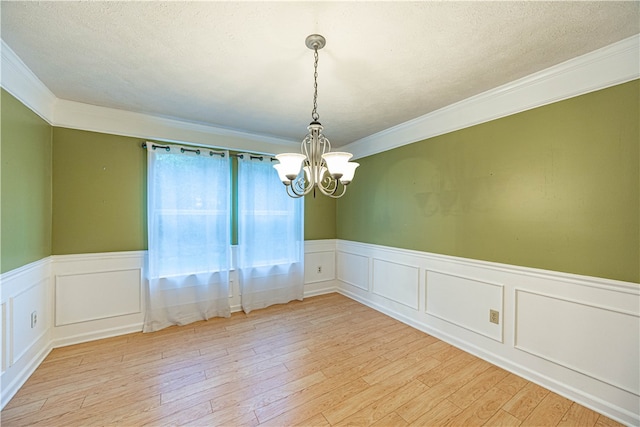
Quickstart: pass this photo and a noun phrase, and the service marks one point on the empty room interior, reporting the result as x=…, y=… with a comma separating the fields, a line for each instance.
x=320, y=213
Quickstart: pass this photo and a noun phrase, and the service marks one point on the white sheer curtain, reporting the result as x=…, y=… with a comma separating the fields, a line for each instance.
x=188, y=205
x=270, y=237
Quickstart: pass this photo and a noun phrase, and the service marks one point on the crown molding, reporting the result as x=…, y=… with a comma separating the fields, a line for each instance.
x=605, y=67
x=611, y=65
x=77, y=115
x=17, y=79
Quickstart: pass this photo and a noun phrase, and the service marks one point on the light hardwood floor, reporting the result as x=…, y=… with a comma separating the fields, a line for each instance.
x=325, y=361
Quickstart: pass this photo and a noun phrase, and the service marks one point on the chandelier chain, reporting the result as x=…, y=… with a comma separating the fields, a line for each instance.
x=314, y=113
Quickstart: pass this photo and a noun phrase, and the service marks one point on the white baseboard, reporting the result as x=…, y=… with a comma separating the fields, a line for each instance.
x=96, y=335
x=21, y=376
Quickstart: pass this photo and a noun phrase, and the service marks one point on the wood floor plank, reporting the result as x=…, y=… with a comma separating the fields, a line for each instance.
x=549, y=412
x=298, y=413
x=525, y=401
x=440, y=415
x=392, y=419
x=185, y=416
x=448, y=368
x=318, y=390
x=234, y=379
x=474, y=389
x=327, y=360
x=579, y=416
x=502, y=419
x=482, y=409
x=384, y=406
x=512, y=383
x=242, y=401
x=316, y=421
x=359, y=401
x=607, y=422
x=17, y=411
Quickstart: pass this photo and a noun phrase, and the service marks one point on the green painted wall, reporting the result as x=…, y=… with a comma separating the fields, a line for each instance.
x=319, y=217
x=99, y=195
x=25, y=207
x=99, y=192
x=556, y=187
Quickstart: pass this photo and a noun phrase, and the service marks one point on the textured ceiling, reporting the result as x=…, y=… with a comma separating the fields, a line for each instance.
x=244, y=65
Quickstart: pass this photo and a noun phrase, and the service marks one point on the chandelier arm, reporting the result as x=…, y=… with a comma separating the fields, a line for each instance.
x=301, y=187
x=333, y=193
x=330, y=188
x=291, y=193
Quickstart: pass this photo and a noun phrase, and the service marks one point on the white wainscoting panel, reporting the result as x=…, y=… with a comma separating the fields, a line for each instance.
x=353, y=269
x=319, y=267
x=98, y=295
x=565, y=332
x=3, y=330
x=464, y=302
x=32, y=299
x=24, y=291
x=578, y=336
x=397, y=282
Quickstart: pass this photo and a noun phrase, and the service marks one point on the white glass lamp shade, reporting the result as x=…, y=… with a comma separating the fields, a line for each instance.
x=290, y=165
x=349, y=172
x=281, y=174
x=337, y=162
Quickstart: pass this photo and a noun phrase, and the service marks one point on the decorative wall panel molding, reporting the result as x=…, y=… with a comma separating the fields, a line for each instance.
x=98, y=295
x=29, y=309
x=397, y=282
x=319, y=261
x=353, y=269
x=575, y=335
x=566, y=331
x=26, y=292
x=465, y=302
x=3, y=330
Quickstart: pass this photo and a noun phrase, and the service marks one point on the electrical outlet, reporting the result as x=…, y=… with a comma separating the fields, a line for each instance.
x=34, y=319
x=319, y=269
x=494, y=316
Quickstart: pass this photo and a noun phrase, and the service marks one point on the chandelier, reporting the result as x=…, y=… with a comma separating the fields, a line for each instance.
x=330, y=172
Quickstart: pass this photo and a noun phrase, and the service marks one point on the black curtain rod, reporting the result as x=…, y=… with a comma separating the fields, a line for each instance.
x=252, y=157
x=211, y=152
x=183, y=149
